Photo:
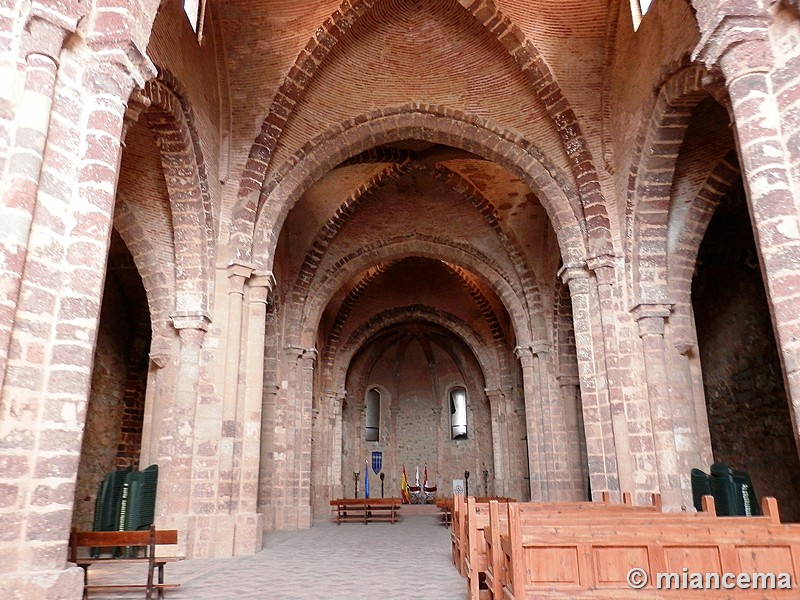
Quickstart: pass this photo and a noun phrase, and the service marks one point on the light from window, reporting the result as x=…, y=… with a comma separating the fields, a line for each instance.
x=458, y=413
x=372, y=431
x=639, y=9
x=192, y=10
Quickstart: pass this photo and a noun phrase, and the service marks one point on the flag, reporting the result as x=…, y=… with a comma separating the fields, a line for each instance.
x=425, y=478
x=404, y=487
x=366, y=479
x=416, y=478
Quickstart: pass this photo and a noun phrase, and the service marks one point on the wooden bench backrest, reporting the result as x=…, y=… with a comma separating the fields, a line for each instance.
x=109, y=539
x=599, y=553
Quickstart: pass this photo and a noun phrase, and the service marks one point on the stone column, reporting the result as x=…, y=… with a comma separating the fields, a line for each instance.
x=533, y=424
x=651, y=318
x=601, y=451
x=337, y=483
x=736, y=38
x=42, y=49
x=176, y=508
x=498, y=407
x=576, y=445
x=44, y=395
x=231, y=424
x=622, y=417
x=247, y=449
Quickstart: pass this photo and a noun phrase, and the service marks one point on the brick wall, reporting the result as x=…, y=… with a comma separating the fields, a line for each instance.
x=747, y=405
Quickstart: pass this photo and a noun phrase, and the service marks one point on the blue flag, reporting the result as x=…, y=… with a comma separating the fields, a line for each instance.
x=366, y=479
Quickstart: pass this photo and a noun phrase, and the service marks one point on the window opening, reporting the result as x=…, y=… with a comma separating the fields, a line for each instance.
x=639, y=9
x=372, y=431
x=458, y=413
x=196, y=11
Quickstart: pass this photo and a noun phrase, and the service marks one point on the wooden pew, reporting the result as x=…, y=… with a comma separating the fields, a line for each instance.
x=589, y=556
x=108, y=542
x=445, y=506
x=366, y=510
x=459, y=533
x=489, y=553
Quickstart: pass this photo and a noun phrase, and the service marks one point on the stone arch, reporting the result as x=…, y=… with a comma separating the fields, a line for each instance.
x=650, y=181
x=171, y=120
x=466, y=280
x=531, y=63
x=689, y=235
x=490, y=363
x=414, y=245
x=530, y=288
x=258, y=218
x=160, y=291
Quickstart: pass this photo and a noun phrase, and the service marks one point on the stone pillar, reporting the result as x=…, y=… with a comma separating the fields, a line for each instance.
x=247, y=449
x=337, y=482
x=498, y=407
x=271, y=457
x=628, y=458
x=176, y=508
x=601, y=451
x=650, y=318
x=44, y=395
x=42, y=48
x=533, y=424
x=736, y=38
x=576, y=444
x=231, y=424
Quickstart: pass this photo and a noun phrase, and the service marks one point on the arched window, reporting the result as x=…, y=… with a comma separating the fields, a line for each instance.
x=458, y=413
x=639, y=9
x=372, y=431
x=195, y=11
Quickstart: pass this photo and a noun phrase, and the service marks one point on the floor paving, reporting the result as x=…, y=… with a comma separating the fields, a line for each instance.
x=380, y=561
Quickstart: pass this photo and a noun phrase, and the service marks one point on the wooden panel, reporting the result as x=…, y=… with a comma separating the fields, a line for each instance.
x=552, y=565
x=695, y=558
x=763, y=559
x=612, y=563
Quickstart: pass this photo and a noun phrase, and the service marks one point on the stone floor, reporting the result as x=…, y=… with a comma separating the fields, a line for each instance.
x=379, y=561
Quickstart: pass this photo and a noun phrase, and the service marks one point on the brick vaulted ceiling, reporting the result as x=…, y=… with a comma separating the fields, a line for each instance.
x=298, y=69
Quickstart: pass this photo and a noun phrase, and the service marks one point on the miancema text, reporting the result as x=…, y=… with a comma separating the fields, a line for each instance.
x=727, y=581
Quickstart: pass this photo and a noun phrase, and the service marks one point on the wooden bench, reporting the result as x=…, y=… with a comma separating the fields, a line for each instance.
x=83, y=544
x=589, y=555
x=459, y=535
x=482, y=537
x=445, y=506
x=366, y=510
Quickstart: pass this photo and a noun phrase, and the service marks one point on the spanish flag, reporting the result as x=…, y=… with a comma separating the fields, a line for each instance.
x=404, y=487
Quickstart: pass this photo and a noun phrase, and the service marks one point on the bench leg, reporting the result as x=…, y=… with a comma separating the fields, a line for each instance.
x=85, y=581
x=161, y=581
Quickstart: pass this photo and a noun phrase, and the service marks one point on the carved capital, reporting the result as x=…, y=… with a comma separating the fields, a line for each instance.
x=651, y=318
x=199, y=320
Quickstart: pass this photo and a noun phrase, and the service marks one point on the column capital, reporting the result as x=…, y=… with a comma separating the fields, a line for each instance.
x=603, y=267
x=261, y=288
x=237, y=274
x=575, y=273
x=191, y=320
x=540, y=347
x=138, y=103
x=727, y=25
x=298, y=353
x=651, y=318
x=48, y=26
x=525, y=355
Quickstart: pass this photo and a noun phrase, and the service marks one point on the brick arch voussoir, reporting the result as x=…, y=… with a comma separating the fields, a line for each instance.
x=149, y=263
x=406, y=246
x=333, y=225
x=530, y=283
x=254, y=240
x=689, y=236
x=171, y=120
x=490, y=361
x=521, y=50
x=544, y=82
x=651, y=177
